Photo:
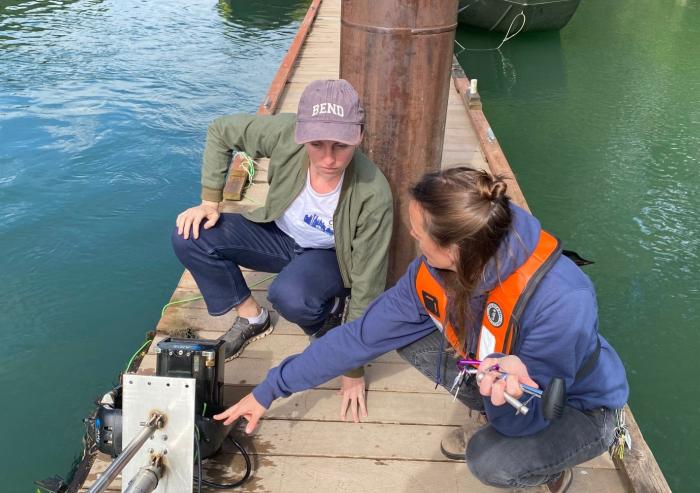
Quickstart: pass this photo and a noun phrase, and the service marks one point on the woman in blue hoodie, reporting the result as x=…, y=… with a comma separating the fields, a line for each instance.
x=490, y=284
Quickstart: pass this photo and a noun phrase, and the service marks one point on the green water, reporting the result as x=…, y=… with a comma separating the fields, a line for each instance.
x=104, y=107
x=103, y=113
x=601, y=124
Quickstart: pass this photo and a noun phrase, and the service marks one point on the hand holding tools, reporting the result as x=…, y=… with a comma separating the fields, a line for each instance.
x=553, y=397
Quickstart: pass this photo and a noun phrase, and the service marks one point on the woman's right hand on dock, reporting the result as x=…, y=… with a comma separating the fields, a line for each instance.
x=193, y=217
x=248, y=408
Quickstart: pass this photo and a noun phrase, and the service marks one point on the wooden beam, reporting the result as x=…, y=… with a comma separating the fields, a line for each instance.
x=271, y=101
x=639, y=468
x=237, y=179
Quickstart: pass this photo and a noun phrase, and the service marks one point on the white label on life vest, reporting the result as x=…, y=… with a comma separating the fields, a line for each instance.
x=487, y=343
x=437, y=323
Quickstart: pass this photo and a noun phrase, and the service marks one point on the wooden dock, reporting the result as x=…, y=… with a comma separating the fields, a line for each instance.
x=301, y=445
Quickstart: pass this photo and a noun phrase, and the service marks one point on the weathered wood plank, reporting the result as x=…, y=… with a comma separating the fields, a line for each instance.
x=275, y=346
x=181, y=317
x=592, y=480
x=286, y=474
x=100, y=465
x=382, y=407
x=640, y=469
x=350, y=440
x=390, y=377
x=461, y=145
x=453, y=159
x=255, y=280
x=280, y=473
x=191, y=298
x=603, y=461
x=237, y=179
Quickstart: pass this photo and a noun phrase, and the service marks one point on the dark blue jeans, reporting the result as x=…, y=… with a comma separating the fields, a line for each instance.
x=516, y=462
x=304, y=290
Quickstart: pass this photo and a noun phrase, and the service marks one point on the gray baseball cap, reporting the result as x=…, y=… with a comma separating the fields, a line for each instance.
x=329, y=110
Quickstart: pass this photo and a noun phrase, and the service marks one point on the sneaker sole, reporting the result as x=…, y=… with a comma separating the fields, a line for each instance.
x=450, y=455
x=567, y=484
x=252, y=339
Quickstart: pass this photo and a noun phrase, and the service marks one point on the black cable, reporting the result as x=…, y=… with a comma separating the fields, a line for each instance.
x=199, y=464
x=226, y=486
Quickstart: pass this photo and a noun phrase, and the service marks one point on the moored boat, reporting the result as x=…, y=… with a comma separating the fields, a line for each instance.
x=514, y=15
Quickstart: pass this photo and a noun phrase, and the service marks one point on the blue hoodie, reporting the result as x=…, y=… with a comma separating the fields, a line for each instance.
x=558, y=332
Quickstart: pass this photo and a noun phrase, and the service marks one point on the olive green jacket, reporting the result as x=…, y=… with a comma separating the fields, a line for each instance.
x=362, y=220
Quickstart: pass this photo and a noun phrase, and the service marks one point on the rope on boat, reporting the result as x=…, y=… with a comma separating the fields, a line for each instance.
x=507, y=37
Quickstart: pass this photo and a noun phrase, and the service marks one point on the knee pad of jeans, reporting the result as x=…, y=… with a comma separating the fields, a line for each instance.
x=181, y=246
x=293, y=306
x=484, y=463
x=426, y=358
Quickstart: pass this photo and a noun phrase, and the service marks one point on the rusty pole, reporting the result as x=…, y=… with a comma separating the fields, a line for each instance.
x=398, y=56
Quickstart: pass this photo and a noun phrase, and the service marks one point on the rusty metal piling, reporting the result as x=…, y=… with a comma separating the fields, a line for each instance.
x=398, y=55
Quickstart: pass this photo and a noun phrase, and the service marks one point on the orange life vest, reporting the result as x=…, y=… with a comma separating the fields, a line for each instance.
x=504, y=305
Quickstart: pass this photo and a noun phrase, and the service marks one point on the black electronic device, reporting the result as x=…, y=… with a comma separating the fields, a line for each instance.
x=104, y=428
x=201, y=359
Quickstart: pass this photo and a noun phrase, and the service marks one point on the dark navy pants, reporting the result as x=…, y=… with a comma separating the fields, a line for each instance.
x=516, y=462
x=304, y=290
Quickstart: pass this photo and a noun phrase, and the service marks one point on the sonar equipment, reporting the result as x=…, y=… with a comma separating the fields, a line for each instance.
x=172, y=413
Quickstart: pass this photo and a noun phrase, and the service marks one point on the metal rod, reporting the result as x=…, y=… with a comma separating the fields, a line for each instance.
x=520, y=408
x=461, y=364
x=146, y=479
x=154, y=422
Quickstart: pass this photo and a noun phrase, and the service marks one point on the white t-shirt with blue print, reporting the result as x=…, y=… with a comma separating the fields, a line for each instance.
x=309, y=219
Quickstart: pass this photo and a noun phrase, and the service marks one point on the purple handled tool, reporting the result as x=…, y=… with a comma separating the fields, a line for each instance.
x=461, y=364
x=553, y=397
x=520, y=408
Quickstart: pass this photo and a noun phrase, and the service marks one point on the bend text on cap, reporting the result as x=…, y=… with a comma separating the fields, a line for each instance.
x=327, y=108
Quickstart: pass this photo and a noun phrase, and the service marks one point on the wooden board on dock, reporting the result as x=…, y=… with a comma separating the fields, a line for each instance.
x=302, y=445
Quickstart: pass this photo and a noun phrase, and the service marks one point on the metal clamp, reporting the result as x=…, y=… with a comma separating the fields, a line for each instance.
x=155, y=421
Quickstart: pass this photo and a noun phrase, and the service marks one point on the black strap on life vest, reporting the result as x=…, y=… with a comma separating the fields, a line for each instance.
x=590, y=362
x=576, y=258
x=514, y=325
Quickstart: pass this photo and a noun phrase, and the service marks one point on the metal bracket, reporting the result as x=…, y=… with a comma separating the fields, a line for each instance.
x=173, y=441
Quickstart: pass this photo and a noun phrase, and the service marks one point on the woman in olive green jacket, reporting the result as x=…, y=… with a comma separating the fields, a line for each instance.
x=325, y=226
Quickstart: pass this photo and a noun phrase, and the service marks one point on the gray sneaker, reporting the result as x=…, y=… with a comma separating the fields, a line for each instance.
x=333, y=320
x=454, y=445
x=562, y=482
x=242, y=333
